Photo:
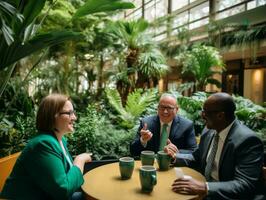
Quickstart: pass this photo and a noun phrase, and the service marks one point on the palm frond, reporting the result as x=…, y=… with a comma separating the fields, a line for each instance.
x=94, y=6
x=16, y=51
x=137, y=102
x=115, y=100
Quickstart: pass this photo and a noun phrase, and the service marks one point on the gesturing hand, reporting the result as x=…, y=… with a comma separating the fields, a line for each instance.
x=145, y=134
x=171, y=149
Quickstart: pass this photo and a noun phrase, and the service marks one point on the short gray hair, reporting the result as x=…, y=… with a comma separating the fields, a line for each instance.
x=168, y=95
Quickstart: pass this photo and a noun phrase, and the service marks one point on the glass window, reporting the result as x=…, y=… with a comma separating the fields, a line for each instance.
x=137, y=14
x=161, y=8
x=199, y=11
x=178, y=30
x=251, y=5
x=149, y=12
x=222, y=4
x=180, y=19
x=255, y=3
x=261, y=2
x=177, y=4
x=199, y=23
x=137, y=3
x=160, y=37
x=155, y=9
x=230, y=12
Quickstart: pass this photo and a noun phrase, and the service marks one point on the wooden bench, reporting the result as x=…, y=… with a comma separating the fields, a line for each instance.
x=6, y=166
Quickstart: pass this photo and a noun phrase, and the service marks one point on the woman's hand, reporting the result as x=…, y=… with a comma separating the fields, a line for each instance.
x=81, y=159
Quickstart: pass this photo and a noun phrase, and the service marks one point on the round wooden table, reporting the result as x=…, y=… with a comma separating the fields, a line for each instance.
x=104, y=183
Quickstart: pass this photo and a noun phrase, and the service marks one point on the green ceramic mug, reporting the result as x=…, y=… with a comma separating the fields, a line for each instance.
x=148, y=178
x=163, y=160
x=147, y=157
x=126, y=166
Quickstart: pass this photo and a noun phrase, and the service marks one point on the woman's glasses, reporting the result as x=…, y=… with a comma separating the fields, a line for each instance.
x=70, y=113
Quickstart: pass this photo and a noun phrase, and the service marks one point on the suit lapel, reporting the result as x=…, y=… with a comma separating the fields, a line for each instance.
x=156, y=132
x=174, y=127
x=227, y=143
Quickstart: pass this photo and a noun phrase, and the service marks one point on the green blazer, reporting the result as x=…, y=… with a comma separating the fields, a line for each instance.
x=42, y=172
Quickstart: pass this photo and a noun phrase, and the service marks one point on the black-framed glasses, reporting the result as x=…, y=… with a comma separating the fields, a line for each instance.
x=168, y=108
x=70, y=113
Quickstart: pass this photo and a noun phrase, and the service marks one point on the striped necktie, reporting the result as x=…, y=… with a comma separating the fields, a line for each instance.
x=164, y=137
x=211, y=158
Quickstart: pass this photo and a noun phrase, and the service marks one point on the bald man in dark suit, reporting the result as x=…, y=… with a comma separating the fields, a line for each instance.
x=236, y=170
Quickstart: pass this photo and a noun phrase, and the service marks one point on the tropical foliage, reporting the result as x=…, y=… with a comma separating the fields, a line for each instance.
x=137, y=102
x=94, y=133
x=252, y=115
x=202, y=62
x=20, y=39
x=144, y=62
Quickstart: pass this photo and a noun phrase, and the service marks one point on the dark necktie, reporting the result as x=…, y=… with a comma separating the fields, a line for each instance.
x=211, y=158
x=164, y=137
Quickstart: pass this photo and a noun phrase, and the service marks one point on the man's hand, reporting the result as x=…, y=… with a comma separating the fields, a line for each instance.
x=145, y=134
x=171, y=149
x=189, y=186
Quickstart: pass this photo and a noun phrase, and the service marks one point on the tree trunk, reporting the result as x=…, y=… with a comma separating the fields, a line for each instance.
x=100, y=75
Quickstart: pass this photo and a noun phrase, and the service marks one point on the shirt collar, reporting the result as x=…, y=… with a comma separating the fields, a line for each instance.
x=169, y=124
x=223, y=134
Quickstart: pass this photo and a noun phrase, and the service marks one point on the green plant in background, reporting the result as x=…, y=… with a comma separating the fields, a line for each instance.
x=144, y=61
x=10, y=140
x=136, y=104
x=94, y=133
x=14, y=138
x=20, y=40
x=252, y=115
x=83, y=139
x=190, y=107
x=202, y=62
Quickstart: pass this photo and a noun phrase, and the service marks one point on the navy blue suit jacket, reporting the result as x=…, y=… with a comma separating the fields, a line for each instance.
x=182, y=135
x=240, y=165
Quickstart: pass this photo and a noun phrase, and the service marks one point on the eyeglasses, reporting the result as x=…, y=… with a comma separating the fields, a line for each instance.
x=168, y=108
x=70, y=113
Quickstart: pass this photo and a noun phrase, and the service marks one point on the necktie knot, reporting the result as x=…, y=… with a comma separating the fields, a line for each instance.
x=165, y=126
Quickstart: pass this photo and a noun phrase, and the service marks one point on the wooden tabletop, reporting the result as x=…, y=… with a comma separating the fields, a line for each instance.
x=104, y=183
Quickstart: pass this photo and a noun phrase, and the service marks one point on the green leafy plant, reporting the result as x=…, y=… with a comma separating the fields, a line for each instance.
x=136, y=104
x=26, y=42
x=13, y=139
x=190, y=107
x=202, y=62
x=144, y=61
x=94, y=133
x=252, y=115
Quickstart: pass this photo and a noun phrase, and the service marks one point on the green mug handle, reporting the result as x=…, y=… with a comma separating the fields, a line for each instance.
x=153, y=180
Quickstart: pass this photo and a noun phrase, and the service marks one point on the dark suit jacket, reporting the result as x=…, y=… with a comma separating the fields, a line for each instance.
x=42, y=172
x=181, y=134
x=240, y=165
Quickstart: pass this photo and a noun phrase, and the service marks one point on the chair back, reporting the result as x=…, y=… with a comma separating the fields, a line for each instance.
x=6, y=165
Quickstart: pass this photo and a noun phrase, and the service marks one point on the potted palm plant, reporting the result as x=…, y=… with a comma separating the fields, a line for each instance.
x=201, y=62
